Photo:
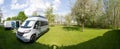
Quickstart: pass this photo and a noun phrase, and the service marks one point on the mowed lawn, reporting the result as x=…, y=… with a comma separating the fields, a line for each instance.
x=60, y=37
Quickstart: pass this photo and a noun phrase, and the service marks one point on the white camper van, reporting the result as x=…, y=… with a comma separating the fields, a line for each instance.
x=31, y=28
x=11, y=24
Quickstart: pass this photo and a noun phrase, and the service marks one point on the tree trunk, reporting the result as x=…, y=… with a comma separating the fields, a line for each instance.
x=82, y=24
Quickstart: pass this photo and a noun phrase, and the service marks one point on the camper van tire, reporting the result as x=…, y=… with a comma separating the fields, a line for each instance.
x=33, y=38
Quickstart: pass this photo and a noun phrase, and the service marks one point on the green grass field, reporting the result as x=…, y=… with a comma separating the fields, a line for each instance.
x=61, y=37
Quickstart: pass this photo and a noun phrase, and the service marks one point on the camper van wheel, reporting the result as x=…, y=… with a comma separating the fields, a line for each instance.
x=33, y=38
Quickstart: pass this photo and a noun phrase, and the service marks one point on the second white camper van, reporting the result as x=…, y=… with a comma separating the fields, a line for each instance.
x=12, y=24
x=31, y=28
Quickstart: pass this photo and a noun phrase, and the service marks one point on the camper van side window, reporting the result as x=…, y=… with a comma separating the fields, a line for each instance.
x=39, y=23
x=46, y=23
x=43, y=23
x=36, y=25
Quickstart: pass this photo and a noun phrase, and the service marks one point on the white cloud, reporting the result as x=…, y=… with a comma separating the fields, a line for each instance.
x=7, y=13
x=14, y=1
x=1, y=2
x=36, y=5
x=40, y=6
x=16, y=5
x=56, y=4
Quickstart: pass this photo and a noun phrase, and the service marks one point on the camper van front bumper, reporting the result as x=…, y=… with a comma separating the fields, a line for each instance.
x=24, y=39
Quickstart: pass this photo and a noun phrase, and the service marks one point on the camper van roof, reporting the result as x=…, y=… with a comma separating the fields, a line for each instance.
x=38, y=16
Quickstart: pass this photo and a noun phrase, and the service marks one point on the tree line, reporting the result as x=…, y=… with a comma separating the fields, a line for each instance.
x=21, y=16
x=97, y=13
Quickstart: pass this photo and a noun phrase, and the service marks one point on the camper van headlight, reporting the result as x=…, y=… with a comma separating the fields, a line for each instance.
x=27, y=31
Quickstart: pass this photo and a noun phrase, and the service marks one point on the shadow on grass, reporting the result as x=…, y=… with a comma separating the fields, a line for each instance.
x=110, y=40
x=8, y=41
x=71, y=28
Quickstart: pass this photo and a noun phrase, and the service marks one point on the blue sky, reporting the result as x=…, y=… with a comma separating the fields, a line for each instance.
x=13, y=7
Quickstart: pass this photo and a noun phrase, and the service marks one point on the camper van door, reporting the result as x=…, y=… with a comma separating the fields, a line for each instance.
x=37, y=27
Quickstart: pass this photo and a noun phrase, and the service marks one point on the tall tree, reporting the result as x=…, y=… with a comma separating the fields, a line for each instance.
x=81, y=11
x=112, y=10
x=21, y=16
x=94, y=11
x=14, y=18
x=68, y=19
x=8, y=18
x=97, y=13
x=116, y=14
x=50, y=16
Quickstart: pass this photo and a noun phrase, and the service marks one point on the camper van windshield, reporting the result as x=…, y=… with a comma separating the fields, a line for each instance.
x=28, y=24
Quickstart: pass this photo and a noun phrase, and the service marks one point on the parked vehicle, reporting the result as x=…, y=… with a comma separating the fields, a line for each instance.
x=11, y=24
x=1, y=24
x=32, y=28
